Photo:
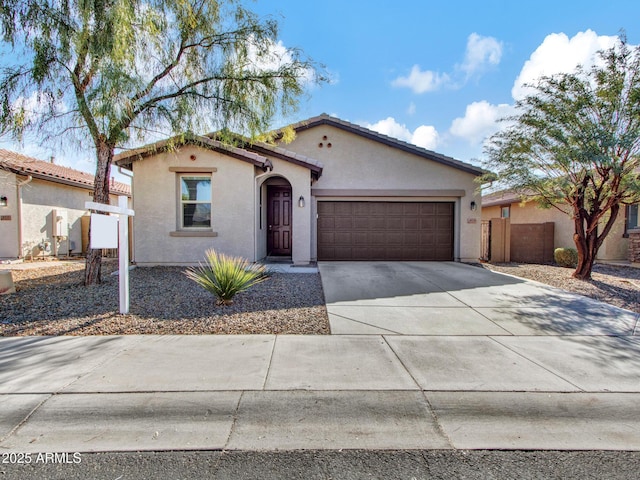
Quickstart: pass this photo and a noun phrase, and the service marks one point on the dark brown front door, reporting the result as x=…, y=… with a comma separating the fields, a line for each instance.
x=279, y=221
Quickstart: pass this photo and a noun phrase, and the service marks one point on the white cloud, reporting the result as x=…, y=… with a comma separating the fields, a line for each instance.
x=422, y=81
x=480, y=120
x=481, y=52
x=560, y=54
x=411, y=109
x=424, y=136
x=556, y=54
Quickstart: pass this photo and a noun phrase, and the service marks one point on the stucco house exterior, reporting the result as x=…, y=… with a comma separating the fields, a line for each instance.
x=42, y=206
x=337, y=192
x=508, y=205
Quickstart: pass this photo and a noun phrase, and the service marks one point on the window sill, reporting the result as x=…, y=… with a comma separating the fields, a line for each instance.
x=194, y=233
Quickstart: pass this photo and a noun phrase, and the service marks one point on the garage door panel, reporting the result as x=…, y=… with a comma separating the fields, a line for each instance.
x=394, y=223
x=411, y=223
x=427, y=208
x=395, y=238
x=411, y=209
x=343, y=238
x=444, y=208
x=361, y=223
x=362, y=230
x=360, y=239
x=427, y=223
x=326, y=238
x=360, y=208
x=377, y=208
x=378, y=238
x=343, y=223
x=343, y=208
x=326, y=208
x=377, y=223
x=326, y=222
x=410, y=239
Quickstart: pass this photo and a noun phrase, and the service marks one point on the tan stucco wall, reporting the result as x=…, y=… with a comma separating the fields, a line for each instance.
x=9, y=247
x=355, y=162
x=38, y=201
x=155, y=201
x=613, y=248
x=235, y=208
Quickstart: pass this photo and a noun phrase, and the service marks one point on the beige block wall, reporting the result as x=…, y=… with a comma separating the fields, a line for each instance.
x=9, y=247
x=614, y=247
x=354, y=162
x=155, y=190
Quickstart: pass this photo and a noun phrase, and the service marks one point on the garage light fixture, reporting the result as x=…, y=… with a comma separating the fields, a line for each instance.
x=473, y=206
x=3, y=201
x=301, y=202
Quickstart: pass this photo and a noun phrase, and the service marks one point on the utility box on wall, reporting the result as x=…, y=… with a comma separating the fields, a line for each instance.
x=60, y=223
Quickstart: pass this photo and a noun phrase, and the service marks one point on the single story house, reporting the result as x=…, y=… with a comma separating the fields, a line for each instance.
x=42, y=207
x=506, y=204
x=337, y=192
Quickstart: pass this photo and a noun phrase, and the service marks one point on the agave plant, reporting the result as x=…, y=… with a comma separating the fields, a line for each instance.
x=225, y=275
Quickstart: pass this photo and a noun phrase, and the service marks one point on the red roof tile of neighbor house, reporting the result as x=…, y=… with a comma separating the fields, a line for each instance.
x=24, y=165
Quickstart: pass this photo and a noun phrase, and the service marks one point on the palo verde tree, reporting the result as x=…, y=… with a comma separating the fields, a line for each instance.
x=574, y=145
x=114, y=71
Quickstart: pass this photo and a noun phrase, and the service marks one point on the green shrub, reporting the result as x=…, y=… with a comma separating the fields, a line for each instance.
x=566, y=257
x=225, y=275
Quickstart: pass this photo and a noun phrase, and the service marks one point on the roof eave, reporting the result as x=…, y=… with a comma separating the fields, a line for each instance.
x=126, y=160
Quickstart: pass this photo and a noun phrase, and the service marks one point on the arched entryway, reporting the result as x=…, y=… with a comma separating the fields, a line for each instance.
x=279, y=220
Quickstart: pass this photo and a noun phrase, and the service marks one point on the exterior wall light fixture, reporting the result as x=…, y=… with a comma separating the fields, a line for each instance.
x=3, y=201
x=301, y=202
x=473, y=206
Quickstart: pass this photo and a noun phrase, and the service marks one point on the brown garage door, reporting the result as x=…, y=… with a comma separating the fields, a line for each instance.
x=385, y=231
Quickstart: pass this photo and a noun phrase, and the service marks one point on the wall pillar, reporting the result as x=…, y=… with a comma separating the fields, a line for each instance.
x=634, y=245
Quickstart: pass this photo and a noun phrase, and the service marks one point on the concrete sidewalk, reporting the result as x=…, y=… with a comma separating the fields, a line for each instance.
x=136, y=393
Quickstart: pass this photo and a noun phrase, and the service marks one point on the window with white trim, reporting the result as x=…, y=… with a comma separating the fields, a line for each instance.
x=195, y=201
x=505, y=212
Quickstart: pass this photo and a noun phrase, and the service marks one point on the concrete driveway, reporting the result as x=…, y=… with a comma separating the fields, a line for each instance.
x=430, y=298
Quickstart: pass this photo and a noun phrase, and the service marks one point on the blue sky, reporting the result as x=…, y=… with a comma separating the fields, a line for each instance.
x=466, y=57
x=437, y=74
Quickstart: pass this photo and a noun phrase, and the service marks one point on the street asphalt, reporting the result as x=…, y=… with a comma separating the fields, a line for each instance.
x=424, y=357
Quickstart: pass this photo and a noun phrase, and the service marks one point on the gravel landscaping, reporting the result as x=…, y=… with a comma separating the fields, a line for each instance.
x=51, y=300
x=615, y=285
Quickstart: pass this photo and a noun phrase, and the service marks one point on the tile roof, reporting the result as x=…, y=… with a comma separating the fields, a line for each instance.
x=502, y=197
x=324, y=119
x=253, y=152
x=24, y=165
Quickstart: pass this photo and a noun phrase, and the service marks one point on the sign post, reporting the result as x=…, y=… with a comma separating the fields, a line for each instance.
x=123, y=213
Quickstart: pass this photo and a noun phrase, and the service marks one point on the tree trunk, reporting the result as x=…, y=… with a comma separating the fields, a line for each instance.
x=587, y=250
x=93, y=265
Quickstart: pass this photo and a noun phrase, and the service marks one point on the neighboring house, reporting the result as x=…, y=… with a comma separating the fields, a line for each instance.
x=508, y=205
x=337, y=192
x=41, y=206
